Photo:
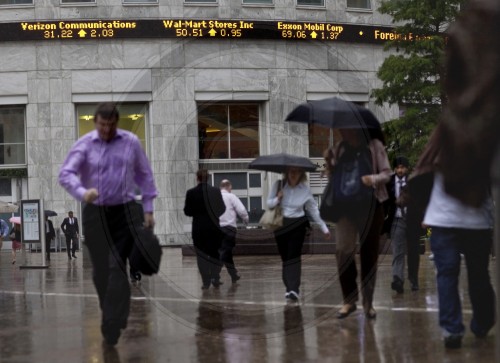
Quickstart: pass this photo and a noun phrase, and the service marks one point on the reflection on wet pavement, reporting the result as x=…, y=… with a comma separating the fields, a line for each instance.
x=52, y=315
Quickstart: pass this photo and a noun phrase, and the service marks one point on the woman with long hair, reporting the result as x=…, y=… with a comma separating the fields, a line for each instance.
x=297, y=203
x=360, y=218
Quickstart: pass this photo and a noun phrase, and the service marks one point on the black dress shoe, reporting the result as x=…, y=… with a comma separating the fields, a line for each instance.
x=453, y=341
x=216, y=283
x=235, y=278
x=74, y=256
x=111, y=334
x=397, y=285
x=344, y=314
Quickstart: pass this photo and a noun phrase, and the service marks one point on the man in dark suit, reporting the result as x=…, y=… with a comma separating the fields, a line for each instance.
x=71, y=230
x=396, y=225
x=50, y=234
x=205, y=204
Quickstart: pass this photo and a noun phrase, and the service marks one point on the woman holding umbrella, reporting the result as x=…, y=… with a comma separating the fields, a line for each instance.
x=296, y=201
x=359, y=218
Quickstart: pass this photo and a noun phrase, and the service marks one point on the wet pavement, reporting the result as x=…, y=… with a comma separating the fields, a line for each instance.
x=52, y=315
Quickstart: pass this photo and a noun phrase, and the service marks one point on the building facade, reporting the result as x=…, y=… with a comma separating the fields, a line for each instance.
x=204, y=83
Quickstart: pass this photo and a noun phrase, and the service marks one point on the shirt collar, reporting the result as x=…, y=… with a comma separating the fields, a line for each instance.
x=94, y=136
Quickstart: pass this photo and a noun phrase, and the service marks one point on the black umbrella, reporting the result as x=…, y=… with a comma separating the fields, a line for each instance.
x=49, y=213
x=334, y=113
x=279, y=163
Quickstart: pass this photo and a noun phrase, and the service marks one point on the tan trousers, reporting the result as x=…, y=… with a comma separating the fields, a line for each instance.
x=348, y=232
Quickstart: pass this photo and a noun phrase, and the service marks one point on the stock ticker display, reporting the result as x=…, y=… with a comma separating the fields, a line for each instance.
x=194, y=29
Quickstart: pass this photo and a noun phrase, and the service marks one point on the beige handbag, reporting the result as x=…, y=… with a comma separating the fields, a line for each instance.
x=272, y=217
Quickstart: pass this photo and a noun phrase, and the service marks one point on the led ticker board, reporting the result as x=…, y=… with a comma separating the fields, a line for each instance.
x=194, y=29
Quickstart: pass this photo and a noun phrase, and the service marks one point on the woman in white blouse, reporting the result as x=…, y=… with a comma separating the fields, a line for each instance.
x=297, y=203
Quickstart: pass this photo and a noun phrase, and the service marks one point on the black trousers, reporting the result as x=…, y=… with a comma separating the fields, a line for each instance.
x=226, y=249
x=290, y=239
x=109, y=237
x=207, y=256
x=71, y=249
x=414, y=231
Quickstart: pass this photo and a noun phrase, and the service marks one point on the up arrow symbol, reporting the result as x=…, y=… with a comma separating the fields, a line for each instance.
x=82, y=33
x=212, y=32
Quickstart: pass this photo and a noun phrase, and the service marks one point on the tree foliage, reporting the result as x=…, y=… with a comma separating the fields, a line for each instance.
x=411, y=75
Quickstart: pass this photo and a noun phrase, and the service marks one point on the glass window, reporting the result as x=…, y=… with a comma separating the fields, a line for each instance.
x=320, y=139
x=228, y=131
x=311, y=2
x=268, y=2
x=359, y=4
x=201, y=1
x=12, y=135
x=16, y=2
x=5, y=187
x=255, y=181
x=250, y=197
x=238, y=180
x=140, y=1
x=132, y=118
x=77, y=1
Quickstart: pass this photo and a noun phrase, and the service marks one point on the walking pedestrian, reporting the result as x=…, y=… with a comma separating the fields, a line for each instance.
x=396, y=219
x=297, y=204
x=227, y=221
x=50, y=234
x=359, y=216
x=4, y=231
x=71, y=231
x=15, y=238
x=205, y=204
x=104, y=169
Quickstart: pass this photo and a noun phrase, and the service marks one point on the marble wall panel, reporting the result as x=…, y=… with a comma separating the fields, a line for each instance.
x=246, y=55
x=57, y=151
x=80, y=56
x=351, y=82
x=172, y=54
x=140, y=54
x=111, y=55
x=322, y=81
x=209, y=53
x=38, y=89
x=13, y=83
x=360, y=58
x=91, y=81
x=131, y=80
x=48, y=56
x=16, y=57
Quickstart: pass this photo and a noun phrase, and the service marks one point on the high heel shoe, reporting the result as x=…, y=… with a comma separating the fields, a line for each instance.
x=344, y=313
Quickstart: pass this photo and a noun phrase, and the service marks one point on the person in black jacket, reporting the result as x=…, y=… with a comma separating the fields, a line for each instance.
x=50, y=234
x=395, y=223
x=403, y=225
x=205, y=204
x=71, y=230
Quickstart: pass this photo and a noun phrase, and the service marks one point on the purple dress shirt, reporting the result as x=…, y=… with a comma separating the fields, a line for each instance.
x=115, y=168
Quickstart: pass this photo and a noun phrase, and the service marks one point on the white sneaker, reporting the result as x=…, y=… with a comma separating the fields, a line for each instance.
x=292, y=295
x=431, y=257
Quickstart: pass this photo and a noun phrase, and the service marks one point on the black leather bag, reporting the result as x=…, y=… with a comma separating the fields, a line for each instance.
x=146, y=253
x=328, y=210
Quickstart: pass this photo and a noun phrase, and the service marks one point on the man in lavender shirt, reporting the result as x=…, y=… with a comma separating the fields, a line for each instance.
x=103, y=169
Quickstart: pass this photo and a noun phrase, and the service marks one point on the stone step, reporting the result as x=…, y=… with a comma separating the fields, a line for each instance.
x=257, y=241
